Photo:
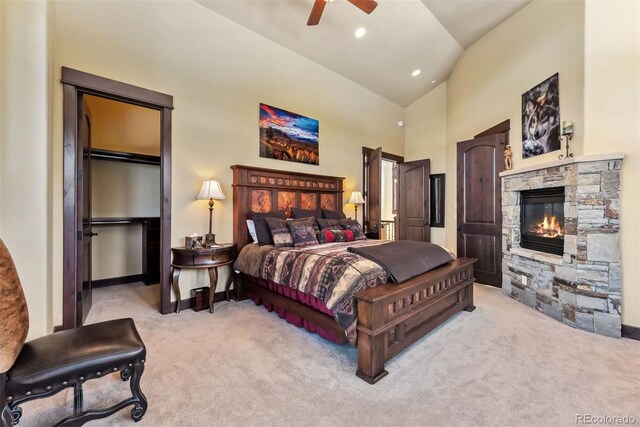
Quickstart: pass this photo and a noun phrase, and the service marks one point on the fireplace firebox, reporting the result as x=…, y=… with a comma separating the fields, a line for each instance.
x=542, y=220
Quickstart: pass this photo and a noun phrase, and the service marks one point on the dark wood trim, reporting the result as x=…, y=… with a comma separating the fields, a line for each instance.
x=385, y=155
x=631, y=332
x=288, y=173
x=499, y=128
x=122, y=280
x=115, y=90
x=165, y=213
x=69, y=237
x=437, y=183
x=119, y=156
x=75, y=85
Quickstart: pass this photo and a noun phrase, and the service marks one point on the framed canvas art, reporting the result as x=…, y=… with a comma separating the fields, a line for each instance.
x=541, y=118
x=288, y=136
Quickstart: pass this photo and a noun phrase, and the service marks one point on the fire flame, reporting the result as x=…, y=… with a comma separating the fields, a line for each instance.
x=549, y=227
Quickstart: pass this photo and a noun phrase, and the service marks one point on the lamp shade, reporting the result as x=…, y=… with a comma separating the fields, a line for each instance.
x=211, y=190
x=356, y=197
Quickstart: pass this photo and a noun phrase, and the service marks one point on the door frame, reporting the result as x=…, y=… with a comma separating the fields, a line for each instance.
x=74, y=84
x=365, y=181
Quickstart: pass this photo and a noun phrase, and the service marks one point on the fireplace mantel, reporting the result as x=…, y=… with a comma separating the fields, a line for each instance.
x=580, y=159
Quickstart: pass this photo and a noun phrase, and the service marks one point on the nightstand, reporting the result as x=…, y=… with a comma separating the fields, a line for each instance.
x=209, y=258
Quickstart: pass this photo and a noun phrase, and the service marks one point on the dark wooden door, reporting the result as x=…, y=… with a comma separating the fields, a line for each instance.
x=413, y=200
x=374, y=193
x=84, y=183
x=479, y=227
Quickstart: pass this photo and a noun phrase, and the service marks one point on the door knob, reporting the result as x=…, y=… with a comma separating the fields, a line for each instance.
x=459, y=228
x=91, y=233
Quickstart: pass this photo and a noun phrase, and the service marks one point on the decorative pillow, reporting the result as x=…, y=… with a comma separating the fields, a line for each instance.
x=297, y=213
x=311, y=221
x=303, y=233
x=329, y=224
x=280, y=232
x=329, y=214
x=262, y=228
x=355, y=227
x=331, y=236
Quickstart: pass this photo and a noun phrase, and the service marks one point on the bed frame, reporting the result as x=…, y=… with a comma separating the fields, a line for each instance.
x=390, y=317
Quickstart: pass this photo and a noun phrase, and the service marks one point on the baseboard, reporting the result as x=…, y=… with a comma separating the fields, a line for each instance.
x=57, y=328
x=186, y=303
x=123, y=280
x=631, y=332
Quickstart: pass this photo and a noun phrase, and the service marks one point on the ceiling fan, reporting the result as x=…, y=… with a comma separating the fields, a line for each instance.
x=367, y=6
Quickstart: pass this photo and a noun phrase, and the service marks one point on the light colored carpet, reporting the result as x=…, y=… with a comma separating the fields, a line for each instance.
x=503, y=364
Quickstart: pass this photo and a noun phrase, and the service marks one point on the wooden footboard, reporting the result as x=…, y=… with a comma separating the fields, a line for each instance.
x=393, y=316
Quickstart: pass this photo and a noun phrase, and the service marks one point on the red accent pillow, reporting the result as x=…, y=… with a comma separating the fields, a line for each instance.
x=331, y=236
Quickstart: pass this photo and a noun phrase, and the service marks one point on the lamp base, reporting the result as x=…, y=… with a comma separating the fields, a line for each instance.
x=209, y=240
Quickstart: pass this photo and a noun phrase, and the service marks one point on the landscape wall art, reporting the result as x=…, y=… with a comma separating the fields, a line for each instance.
x=288, y=136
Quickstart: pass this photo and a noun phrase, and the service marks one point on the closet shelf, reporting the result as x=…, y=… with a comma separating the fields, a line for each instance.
x=120, y=156
x=121, y=220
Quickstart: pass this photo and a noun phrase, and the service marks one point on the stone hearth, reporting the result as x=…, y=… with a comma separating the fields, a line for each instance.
x=582, y=287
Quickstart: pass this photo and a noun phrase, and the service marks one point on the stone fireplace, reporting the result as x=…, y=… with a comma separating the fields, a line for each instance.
x=561, y=245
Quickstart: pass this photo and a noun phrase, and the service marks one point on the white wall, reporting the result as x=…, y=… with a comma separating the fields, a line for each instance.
x=425, y=137
x=611, y=121
x=218, y=73
x=24, y=156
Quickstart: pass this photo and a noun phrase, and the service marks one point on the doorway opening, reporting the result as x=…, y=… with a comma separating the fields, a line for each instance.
x=150, y=210
x=125, y=193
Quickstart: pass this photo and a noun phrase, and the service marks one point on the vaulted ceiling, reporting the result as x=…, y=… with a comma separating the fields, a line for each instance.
x=401, y=36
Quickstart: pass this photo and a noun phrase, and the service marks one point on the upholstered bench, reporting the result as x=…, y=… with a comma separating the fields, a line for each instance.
x=49, y=364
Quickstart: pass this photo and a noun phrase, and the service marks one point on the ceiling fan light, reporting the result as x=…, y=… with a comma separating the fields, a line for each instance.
x=416, y=72
x=360, y=32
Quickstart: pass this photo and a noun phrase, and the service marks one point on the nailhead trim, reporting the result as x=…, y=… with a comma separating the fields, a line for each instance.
x=98, y=373
x=28, y=393
x=65, y=382
x=48, y=387
x=9, y=398
x=115, y=369
x=81, y=378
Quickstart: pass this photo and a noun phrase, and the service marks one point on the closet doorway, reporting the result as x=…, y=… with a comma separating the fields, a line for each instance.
x=117, y=200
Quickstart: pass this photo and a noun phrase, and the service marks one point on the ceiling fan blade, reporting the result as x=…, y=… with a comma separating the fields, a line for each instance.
x=367, y=6
x=316, y=12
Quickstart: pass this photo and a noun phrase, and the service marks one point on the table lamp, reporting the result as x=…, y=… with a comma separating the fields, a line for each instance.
x=210, y=190
x=356, y=199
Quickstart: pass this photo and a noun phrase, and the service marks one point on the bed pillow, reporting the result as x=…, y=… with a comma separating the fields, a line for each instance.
x=251, y=226
x=262, y=228
x=329, y=214
x=279, y=232
x=297, y=213
x=303, y=232
x=353, y=226
x=329, y=224
x=331, y=236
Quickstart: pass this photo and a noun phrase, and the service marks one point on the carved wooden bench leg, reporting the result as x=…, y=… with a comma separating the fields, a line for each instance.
x=6, y=415
x=140, y=400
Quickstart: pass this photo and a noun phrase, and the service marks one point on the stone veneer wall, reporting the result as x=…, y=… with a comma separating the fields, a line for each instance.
x=582, y=288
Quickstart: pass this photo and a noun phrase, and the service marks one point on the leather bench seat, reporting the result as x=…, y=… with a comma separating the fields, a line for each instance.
x=58, y=360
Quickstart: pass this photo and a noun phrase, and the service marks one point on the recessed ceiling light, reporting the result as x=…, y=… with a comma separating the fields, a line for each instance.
x=416, y=72
x=360, y=32
x=433, y=82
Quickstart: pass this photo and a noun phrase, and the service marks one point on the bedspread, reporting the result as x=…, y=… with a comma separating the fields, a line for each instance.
x=328, y=272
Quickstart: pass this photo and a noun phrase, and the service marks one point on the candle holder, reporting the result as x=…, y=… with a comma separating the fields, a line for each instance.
x=567, y=137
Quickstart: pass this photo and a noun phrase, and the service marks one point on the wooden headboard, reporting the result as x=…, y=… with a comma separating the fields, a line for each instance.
x=265, y=190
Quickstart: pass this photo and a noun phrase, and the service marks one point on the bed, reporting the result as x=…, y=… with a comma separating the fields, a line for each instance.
x=390, y=316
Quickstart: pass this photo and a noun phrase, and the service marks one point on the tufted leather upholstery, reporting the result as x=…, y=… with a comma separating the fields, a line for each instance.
x=14, y=316
x=69, y=355
x=46, y=365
